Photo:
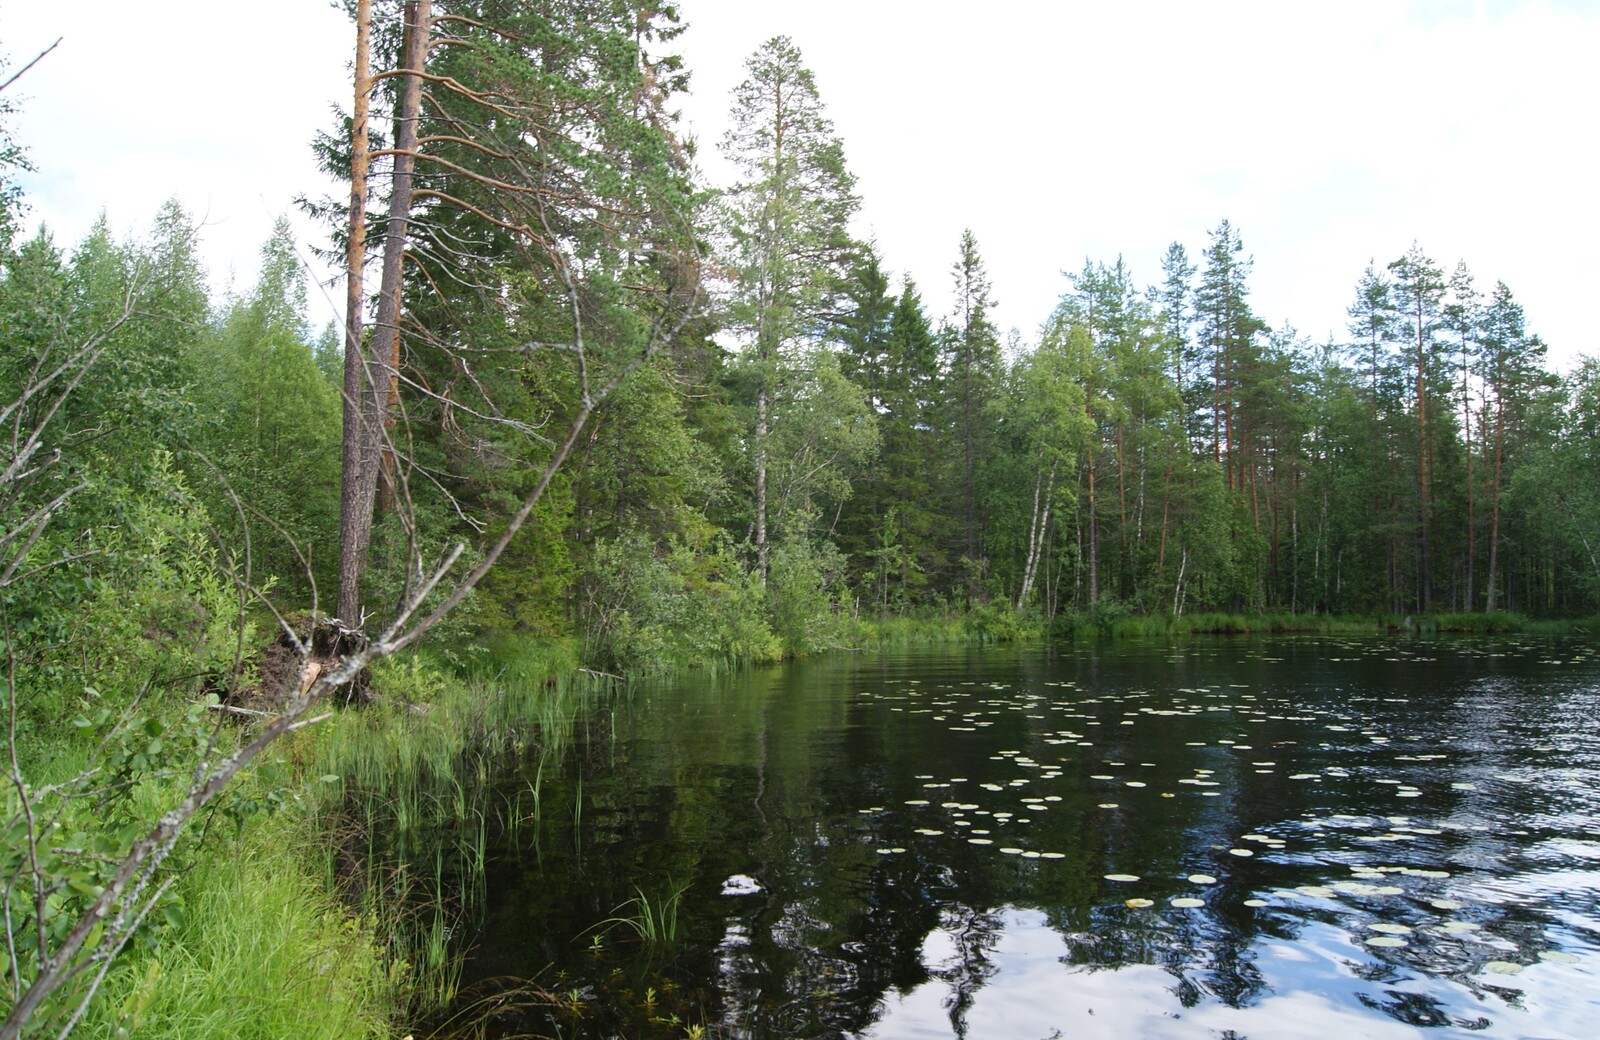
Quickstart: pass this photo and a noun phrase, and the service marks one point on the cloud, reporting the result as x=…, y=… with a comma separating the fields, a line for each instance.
x=1328, y=134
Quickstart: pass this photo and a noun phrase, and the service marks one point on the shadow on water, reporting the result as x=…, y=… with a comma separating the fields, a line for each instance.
x=1284, y=837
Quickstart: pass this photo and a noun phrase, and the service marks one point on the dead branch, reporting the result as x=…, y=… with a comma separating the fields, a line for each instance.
x=18, y=74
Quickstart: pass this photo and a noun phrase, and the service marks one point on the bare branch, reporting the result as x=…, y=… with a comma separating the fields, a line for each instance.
x=18, y=74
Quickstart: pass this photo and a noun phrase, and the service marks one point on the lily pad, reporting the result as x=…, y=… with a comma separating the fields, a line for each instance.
x=1122, y=877
x=1503, y=967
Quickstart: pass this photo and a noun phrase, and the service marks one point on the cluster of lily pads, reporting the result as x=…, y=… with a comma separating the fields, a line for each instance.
x=1067, y=726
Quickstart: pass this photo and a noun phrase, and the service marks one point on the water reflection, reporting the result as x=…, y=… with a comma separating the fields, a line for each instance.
x=1280, y=838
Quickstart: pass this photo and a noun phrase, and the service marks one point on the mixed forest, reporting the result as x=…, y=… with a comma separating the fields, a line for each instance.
x=797, y=437
x=585, y=397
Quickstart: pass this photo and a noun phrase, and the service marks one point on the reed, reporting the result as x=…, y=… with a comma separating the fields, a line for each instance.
x=653, y=920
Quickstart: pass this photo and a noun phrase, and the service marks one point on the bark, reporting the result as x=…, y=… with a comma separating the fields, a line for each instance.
x=1494, y=499
x=1472, y=517
x=1043, y=493
x=1425, y=575
x=1094, y=542
x=359, y=493
x=350, y=535
x=763, y=419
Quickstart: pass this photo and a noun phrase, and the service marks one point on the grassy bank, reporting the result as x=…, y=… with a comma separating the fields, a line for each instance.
x=1123, y=626
x=256, y=946
x=318, y=898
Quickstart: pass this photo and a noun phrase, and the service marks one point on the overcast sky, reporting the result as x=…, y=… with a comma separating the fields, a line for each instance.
x=1331, y=134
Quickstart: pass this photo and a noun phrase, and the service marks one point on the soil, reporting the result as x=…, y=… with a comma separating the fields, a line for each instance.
x=280, y=671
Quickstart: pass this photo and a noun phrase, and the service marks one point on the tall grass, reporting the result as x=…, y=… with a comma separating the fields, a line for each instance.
x=653, y=921
x=985, y=625
x=261, y=950
x=417, y=798
x=1129, y=626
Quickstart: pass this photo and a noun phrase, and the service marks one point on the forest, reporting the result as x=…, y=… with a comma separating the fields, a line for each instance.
x=585, y=400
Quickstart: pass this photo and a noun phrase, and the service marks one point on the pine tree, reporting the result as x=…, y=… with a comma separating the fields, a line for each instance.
x=1419, y=295
x=1512, y=366
x=910, y=457
x=1372, y=329
x=1461, y=317
x=787, y=224
x=1175, y=303
x=547, y=248
x=1228, y=331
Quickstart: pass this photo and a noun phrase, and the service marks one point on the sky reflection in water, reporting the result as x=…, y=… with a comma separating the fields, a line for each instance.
x=1363, y=838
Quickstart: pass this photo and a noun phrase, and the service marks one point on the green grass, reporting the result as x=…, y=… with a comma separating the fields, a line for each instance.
x=1132, y=626
x=262, y=950
x=992, y=624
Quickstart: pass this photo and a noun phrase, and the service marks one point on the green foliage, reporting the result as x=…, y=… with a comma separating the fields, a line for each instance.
x=146, y=611
x=996, y=622
x=271, y=427
x=648, y=608
x=107, y=657
x=808, y=596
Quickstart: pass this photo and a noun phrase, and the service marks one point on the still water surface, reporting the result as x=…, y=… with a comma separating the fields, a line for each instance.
x=1228, y=838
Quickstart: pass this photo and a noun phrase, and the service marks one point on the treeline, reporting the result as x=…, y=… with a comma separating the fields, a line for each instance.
x=804, y=444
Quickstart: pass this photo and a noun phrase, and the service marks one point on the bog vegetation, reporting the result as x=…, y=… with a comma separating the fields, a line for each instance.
x=605, y=416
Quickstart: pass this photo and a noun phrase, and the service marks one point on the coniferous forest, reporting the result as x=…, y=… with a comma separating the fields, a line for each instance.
x=586, y=400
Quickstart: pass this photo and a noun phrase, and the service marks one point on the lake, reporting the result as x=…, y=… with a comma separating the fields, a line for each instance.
x=1288, y=837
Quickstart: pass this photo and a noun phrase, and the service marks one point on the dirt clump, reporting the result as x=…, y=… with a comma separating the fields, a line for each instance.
x=280, y=670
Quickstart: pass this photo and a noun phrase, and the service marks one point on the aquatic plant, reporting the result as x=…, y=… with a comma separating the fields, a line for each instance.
x=654, y=921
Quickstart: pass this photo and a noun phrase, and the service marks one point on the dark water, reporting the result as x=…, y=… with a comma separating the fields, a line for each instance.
x=1264, y=838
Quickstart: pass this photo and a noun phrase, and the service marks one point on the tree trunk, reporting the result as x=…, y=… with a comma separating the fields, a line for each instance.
x=1424, y=565
x=1094, y=542
x=763, y=406
x=1472, y=519
x=1494, y=498
x=359, y=492
x=1043, y=492
x=352, y=538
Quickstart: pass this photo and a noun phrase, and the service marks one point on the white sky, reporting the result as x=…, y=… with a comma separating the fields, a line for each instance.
x=1329, y=133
